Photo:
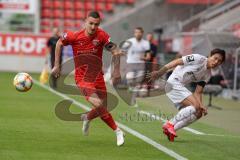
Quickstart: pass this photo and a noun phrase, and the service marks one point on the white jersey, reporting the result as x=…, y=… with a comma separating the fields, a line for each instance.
x=193, y=70
x=137, y=50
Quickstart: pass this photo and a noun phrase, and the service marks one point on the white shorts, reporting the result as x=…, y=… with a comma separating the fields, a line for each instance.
x=177, y=92
x=135, y=72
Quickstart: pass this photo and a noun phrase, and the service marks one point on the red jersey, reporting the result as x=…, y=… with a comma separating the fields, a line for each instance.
x=87, y=51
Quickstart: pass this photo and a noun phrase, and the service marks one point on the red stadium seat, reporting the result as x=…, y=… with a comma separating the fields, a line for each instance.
x=101, y=15
x=57, y=4
x=110, y=1
x=57, y=23
x=46, y=4
x=89, y=5
x=109, y=7
x=46, y=13
x=236, y=26
x=120, y=1
x=79, y=14
x=99, y=6
x=79, y=5
x=45, y=30
x=130, y=1
x=78, y=25
x=85, y=13
x=46, y=22
x=57, y=13
x=68, y=14
x=68, y=24
x=68, y=5
x=100, y=0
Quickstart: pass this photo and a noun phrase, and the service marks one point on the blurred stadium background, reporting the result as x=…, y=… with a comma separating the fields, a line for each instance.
x=29, y=128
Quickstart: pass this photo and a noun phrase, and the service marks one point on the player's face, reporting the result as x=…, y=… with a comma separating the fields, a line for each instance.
x=92, y=25
x=215, y=60
x=138, y=34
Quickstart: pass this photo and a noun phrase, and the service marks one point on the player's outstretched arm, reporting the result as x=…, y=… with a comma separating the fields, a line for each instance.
x=157, y=74
x=56, y=68
x=115, y=64
x=115, y=69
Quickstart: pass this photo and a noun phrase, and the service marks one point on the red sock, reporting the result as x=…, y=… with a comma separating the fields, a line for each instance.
x=97, y=112
x=108, y=119
x=92, y=114
x=104, y=114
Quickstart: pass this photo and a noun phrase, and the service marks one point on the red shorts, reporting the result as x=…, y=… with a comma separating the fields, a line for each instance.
x=89, y=88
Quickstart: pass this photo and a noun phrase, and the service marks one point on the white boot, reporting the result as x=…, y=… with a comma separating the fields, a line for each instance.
x=85, y=127
x=120, y=137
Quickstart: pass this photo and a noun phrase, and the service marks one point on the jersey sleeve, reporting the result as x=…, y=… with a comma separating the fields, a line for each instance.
x=105, y=38
x=67, y=38
x=193, y=59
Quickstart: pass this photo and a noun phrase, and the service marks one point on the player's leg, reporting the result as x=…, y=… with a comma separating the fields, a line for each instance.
x=178, y=94
x=108, y=119
x=191, y=112
x=92, y=114
x=53, y=78
x=89, y=91
x=98, y=99
x=131, y=86
x=134, y=79
x=146, y=83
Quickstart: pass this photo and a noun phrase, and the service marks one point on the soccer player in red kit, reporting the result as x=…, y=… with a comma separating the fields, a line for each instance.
x=90, y=42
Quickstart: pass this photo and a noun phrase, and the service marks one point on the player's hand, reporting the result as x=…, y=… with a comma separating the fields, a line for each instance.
x=204, y=110
x=116, y=78
x=156, y=74
x=153, y=76
x=118, y=52
x=56, y=71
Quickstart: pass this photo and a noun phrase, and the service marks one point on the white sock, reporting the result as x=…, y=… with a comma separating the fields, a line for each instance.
x=185, y=122
x=182, y=114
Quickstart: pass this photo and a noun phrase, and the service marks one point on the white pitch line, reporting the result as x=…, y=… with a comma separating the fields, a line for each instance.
x=187, y=128
x=159, y=118
x=222, y=135
x=129, y=130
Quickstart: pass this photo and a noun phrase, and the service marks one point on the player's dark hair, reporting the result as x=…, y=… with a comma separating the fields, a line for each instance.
x=140, y=29
x=94, y=14
x=219, y=51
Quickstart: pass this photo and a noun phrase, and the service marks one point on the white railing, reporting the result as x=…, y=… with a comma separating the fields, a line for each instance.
x=223, y=8
x=211, y=12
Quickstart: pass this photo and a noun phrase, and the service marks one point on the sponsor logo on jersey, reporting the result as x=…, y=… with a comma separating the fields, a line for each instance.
x=190, y=58
x=95, y=42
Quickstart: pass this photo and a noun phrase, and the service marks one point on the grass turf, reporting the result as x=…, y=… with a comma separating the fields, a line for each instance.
x=29, y=129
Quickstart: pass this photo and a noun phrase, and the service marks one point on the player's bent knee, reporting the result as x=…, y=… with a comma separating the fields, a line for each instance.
x=198, y=113
x=96, y=102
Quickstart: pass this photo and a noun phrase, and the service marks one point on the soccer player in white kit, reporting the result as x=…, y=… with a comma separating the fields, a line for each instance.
x=190, y=68
x=137, y=53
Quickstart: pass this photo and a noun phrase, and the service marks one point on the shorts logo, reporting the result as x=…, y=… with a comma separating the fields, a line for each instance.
x=190, y=58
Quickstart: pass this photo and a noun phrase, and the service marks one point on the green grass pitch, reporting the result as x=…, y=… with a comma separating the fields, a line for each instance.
x=29, y=129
